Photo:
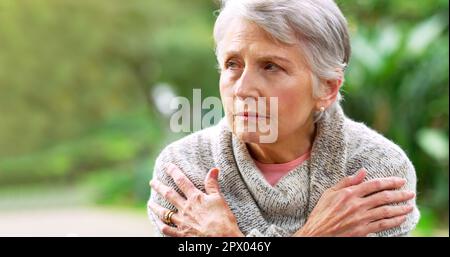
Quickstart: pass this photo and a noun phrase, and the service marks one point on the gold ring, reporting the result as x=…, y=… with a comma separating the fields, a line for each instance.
x=168, y=217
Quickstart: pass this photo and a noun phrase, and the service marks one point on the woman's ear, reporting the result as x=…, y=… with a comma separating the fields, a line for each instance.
x=329, y=93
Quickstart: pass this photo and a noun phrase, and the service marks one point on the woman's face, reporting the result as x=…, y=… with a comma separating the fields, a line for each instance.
x=255, y=65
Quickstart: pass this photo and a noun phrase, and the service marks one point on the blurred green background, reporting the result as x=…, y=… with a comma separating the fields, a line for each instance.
x=85, y=86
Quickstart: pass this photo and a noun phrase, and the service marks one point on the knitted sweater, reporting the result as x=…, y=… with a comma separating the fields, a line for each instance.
x=340, y=149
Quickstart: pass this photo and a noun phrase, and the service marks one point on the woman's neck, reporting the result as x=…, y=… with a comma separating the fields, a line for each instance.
x=284, y=150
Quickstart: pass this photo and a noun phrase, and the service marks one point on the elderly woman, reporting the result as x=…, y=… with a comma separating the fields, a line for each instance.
x=324, y=175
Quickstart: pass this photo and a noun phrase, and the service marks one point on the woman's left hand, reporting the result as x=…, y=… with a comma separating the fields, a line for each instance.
x=200, y=214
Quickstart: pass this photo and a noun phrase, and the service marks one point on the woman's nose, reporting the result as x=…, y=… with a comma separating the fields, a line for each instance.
x=247, y=85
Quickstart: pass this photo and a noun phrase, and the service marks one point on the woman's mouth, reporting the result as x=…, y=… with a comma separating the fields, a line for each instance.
x=249, y=116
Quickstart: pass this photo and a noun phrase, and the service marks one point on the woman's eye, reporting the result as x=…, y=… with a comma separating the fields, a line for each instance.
x=272, y=67
x=231, y=65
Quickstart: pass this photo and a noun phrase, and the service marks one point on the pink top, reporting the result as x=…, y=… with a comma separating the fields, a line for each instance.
x=274, y=172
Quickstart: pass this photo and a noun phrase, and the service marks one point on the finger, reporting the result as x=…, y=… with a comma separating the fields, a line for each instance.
x=167, y=193
x=385, y=224
x=183, y=182
x=211, y=181
x=351, y=180
x=379, y=184
x=388, y=197
x=161, y=211
x=168, y=230
x=157, y=209
x=385, y=212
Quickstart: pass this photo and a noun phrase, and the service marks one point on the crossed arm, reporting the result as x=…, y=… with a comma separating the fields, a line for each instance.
x=350, y=208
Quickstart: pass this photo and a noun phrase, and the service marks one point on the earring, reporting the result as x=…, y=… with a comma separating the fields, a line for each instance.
x=319, y=116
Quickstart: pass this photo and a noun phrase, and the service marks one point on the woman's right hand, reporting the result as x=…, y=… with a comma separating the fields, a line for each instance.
x=353, y=208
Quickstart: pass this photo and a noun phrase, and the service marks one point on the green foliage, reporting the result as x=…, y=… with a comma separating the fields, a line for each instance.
x=433, y=142
x=118, y=141
x=126, y=186
x=404, y=73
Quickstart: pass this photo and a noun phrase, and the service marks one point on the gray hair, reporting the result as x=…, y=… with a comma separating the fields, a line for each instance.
x=318, y=25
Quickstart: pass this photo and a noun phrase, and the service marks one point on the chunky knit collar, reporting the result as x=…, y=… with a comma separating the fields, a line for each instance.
x=324, y=168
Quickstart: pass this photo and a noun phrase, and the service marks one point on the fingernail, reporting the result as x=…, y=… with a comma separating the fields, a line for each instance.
x=358, y=173
x=398, y=180
x=216, y=170
x=411, y=193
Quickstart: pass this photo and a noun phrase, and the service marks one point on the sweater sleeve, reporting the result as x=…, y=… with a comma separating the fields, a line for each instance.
x=401, y=168
x=158, y=173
